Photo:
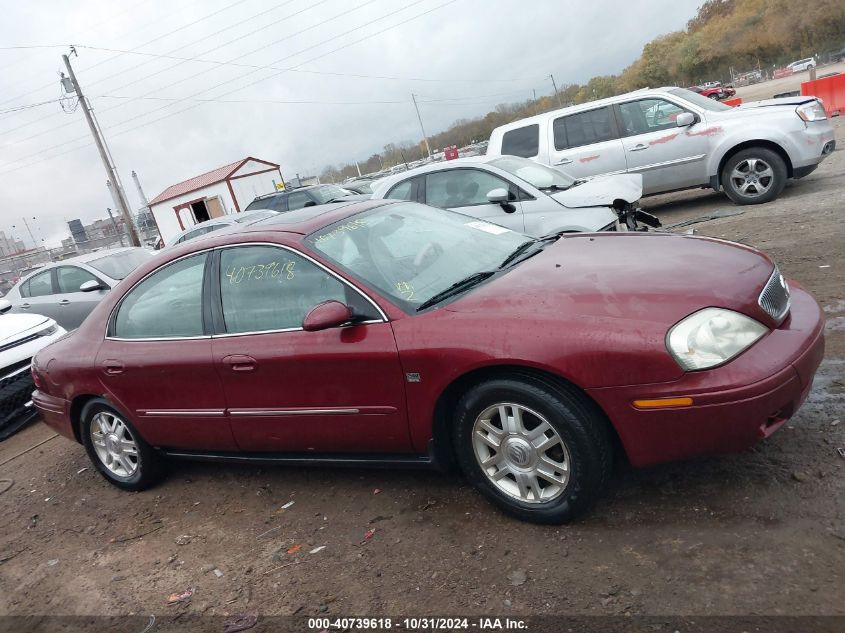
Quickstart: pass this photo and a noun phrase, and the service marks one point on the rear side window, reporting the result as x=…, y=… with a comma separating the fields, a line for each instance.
x=39, y=286
x=167, y=304
x=522, y=141
x=404, y=190
x=585, y=128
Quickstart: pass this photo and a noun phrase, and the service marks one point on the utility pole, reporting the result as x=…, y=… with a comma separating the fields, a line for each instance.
x=425, y=138
x=29, y=230
x=534, y=92
x=554, y=85
x=114, y=224
x=104, y=154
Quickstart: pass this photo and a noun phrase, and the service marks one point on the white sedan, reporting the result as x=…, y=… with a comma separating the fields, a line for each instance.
x=516, y=193
x=21, y=336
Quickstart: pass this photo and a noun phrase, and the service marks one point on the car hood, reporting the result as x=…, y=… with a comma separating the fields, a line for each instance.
x=602, y=191
x=14, y=326
x=790, y=102
x=655, y=279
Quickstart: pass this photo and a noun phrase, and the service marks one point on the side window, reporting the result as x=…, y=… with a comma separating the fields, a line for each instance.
x=269, y=288
x=460, y=187
x=41, y=285
x=522, y=141
x=403, y=191
x=71, y=277
x=648, y=115
x=586, y=128
x=297, y=200
x=166, y=304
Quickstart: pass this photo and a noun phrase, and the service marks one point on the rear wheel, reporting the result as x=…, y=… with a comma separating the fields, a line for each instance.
x=754, y=175
x=538, y=451
x=714, y=96
x=116, y=448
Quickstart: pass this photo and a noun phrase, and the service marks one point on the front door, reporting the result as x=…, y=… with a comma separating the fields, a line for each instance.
x=465, y=191
x=74, y=305
x=668, y=157
x=587, y=144
x=156, y=362
x=339, y=390
x=38, y=296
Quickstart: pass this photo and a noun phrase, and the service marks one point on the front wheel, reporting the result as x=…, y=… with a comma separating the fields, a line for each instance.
x=116, y=448
x=754, y=175
x=538, y=451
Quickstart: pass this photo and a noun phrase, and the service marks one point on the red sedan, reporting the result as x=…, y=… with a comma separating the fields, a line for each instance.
x=387, y=332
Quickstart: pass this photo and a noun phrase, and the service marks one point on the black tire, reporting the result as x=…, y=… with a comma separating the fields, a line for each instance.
x=149, y=467
x=577, y=421
x=714, y=96
x=776, y=183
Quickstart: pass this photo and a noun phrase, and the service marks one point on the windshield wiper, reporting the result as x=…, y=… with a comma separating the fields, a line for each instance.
x=459, y=286
x=554, y=188
x=525, y=247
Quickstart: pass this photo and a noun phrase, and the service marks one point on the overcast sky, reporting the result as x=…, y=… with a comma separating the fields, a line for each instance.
x=173, y=120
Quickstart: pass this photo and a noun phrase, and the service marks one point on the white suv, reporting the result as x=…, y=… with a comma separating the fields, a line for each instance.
x=802, y=64
x=678, y=139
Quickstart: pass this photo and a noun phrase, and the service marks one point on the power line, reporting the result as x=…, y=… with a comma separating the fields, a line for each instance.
x=28, y=106
x=155, y=39
x=158, y=72
x=419, y=15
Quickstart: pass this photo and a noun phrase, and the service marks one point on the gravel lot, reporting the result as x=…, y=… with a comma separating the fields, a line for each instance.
x=757, y=533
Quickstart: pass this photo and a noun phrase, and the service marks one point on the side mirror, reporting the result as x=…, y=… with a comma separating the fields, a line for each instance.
x=90, y=286
x=5, y=306
x=498, y=195
x=685, y=119
x=326, y=315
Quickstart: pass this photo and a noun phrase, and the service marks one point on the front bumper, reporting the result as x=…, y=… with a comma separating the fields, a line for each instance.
x=735, y=405
x=812, y=144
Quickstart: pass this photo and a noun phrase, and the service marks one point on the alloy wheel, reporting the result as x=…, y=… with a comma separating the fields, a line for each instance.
x=113, y=444
x=752, y=177
x=521, y=453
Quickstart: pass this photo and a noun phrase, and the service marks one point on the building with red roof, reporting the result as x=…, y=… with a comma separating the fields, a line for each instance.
x=225, y=190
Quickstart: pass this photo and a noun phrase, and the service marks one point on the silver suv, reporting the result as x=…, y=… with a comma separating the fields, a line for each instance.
x=678, y=139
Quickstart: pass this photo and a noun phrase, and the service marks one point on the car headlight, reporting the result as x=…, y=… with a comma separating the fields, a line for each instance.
x=711, y=337
x=49, y=331
x=811, y=111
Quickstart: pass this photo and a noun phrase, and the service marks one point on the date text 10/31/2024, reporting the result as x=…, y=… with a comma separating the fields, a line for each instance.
x=418, y=624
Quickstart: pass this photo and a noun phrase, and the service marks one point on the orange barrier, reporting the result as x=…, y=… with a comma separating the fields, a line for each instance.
x=782, y=72
x=732, y=102
x=831, y=90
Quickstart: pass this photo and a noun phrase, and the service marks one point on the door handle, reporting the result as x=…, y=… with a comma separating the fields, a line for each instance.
x=638, y=148
x=240, y=362
x=113, y=367
x=25, y=306
x=64, y=302
x=564, y=161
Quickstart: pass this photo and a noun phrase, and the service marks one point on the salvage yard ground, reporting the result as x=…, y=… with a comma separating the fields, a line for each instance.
x=757, y=533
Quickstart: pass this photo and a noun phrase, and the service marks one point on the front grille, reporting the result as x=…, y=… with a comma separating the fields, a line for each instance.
x=775, y=297
x=15, y=391
x=27, y=339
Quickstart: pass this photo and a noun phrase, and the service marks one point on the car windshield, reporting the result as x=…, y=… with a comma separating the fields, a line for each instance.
x=533, y=173
x=702, y=102
x=410, y=252
x=325, y=193
x=119, y=265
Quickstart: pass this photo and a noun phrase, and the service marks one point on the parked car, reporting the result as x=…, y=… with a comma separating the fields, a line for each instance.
x=515, y=192
x=678, y=139
x=209, y=226
x=359, y=185
x=21, y=336
x=717, y=92
x=802, y=64
x=298, y=198
x=388, y=332
x=68, y=290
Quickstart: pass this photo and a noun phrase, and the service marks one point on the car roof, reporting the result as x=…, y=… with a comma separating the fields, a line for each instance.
x=483, y=159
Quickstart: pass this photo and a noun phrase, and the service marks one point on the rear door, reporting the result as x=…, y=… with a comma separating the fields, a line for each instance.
x=38, y=296
x=586, y=144
x=465, y=191
x=667, y=156
x=73, y=304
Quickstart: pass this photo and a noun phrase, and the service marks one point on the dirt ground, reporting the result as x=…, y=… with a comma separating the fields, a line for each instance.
x=761, y=533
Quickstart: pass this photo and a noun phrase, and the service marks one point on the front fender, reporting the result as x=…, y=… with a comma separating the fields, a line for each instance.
x=750, y=133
